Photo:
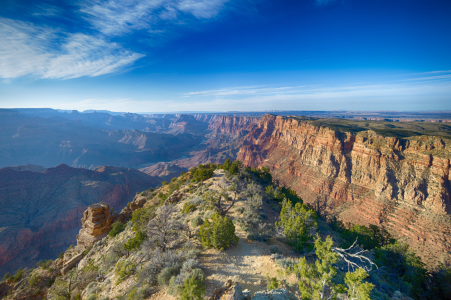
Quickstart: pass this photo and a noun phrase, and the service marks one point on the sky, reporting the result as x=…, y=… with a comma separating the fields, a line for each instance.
x=226, y=55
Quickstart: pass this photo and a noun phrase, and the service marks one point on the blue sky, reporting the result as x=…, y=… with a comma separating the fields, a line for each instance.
x=223, y=55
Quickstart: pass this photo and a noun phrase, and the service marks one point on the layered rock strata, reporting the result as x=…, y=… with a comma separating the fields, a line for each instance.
x=399, y=183
x=96, y=223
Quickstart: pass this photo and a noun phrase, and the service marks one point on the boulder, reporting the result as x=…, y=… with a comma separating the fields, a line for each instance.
x=278, y=294
x=175, y=197
x=230, y=291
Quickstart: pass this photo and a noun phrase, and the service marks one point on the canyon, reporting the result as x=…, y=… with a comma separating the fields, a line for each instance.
x=41, y=211
x=363, y=177
x=392, y=174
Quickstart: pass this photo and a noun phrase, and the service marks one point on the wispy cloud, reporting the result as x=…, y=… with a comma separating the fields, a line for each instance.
x=31, y=49
x=434, y=89
x=27, y=49
x=117, y=17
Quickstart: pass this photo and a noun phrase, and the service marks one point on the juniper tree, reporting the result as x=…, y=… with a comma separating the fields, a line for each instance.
x=219, y=234
x=315, y=280
x=298, y=224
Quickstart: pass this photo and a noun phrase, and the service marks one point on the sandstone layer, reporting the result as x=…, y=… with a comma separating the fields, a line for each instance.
x=96, y=223
x=399, y=183
x=41, y=211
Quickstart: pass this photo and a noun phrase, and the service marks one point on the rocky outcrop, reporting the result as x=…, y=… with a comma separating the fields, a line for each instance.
x=230, y=291
x=96, y=223
x=174, y=197
x=399, y=183
x=277, y=294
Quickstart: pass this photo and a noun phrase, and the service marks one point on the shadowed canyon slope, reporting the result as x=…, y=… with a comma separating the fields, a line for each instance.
x=362, y=176
x=41, y=211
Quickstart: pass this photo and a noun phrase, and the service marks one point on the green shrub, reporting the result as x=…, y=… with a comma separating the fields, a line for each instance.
x=45, y=264
x=61, y=255
x=7, y=276
x=33, y=280
x=188, y=208
x=202, y=173
x=405, y=269
x=135, y=242
x=271, y=283
x=274, y=249
x=49, y=282
x=299, y=224
x=164, y=183
x=165, y=275
x=124, y=269
x=209, y=214
x=193, y=288
x=253, y=236
x=17, y=276
x=92, y=297
x=87, y=251
x=116, y=228
x=196, y=221
x=240, y=209
x=219, y=234
x=141, y=217
x=77, y=297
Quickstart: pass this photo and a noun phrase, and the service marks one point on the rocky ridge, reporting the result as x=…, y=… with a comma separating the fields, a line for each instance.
x=399, y=183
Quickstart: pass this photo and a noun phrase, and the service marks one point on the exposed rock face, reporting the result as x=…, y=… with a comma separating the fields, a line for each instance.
x=400, y=183
x=96, y=223
x=232, y=125
x=41, y=212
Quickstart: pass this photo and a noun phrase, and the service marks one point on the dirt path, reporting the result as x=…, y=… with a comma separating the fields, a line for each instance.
x=247, y=263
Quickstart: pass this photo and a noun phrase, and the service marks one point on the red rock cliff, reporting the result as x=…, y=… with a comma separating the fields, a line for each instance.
x=365, y=178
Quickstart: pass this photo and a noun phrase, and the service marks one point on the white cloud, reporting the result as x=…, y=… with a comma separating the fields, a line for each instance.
x=434, y=90
x=201, y=8
x=27, y=49
x=117, y=17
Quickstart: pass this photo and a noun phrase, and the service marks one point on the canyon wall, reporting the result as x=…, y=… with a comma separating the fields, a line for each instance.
x=401, y=184
x=232, y=125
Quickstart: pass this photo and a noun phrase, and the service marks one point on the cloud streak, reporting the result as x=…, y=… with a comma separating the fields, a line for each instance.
x=118, y=17
x=434, y=89
x=43, y=52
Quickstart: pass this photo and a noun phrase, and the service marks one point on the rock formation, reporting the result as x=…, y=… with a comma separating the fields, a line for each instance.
x=96, y=223
x=399, y=183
